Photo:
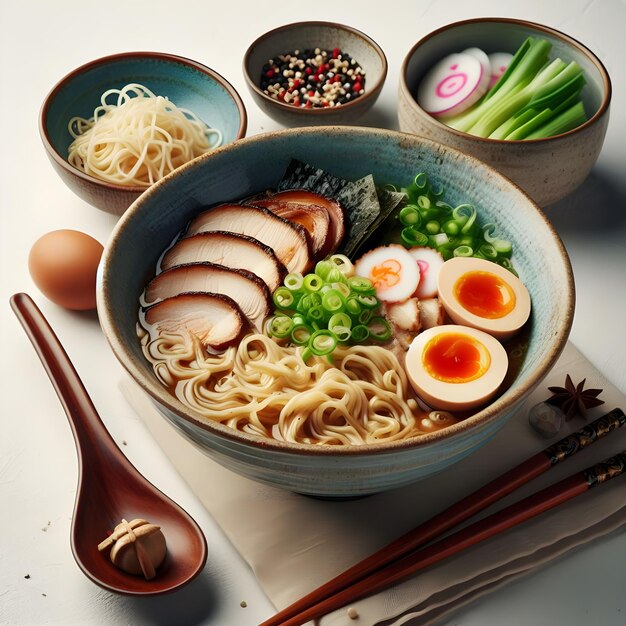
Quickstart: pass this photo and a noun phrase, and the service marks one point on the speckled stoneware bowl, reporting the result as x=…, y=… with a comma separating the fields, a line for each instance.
x=323, y=35
x=186, y=83
x=256, y=164
x=547, y=169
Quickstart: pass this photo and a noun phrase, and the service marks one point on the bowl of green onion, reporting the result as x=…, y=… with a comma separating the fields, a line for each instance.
x=525, y=98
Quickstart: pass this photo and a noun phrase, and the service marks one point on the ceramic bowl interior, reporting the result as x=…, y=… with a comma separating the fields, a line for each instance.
x=549, y=168
x=186, y=83
x=256, y=164
x=311, y=35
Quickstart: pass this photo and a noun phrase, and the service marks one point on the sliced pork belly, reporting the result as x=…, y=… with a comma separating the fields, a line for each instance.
x=288, y=240
x=231, y=250
x=214, y=318
x=312, y=217
x=404, y=315
x=431, y=313
x=246, y=289
x=337, y=226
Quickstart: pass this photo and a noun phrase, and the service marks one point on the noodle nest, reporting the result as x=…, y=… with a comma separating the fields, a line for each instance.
x=138, y=139
x=266, y=389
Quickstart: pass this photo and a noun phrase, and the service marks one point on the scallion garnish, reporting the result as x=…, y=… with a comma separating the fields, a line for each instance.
x=329, y=307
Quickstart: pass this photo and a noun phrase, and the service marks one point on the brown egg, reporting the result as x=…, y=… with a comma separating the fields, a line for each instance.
x=63, y=264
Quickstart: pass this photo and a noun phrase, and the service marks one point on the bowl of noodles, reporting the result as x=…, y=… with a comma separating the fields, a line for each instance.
x=116, y=125
x=275, y=392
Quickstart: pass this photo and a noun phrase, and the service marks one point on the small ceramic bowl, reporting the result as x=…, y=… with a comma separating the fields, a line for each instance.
x=186, y=83
x=256, y=164
x=547, y=169
x=311, y=35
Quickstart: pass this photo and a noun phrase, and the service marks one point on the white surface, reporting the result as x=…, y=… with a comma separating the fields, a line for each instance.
x=40, y=42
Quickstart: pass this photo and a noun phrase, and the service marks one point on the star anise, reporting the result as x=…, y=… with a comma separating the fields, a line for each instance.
x=574, y=400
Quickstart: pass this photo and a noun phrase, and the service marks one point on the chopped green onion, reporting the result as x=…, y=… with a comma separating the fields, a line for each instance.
x=312, y=282
x=283, y=298
x=361, y=285
x=410, y=216
x=379, y=329
x=412, y=237
x=293, y=281
x=318, y=313
x=333, y=301
x=322, y=342
x=339, y=319
x=300, y=334
x=343, y=333
x=280, y=326
x=360, y=333
x=369, y=302
x=452, y=231
x=343, y=264
x=322, y=268
x=364, y=316
x=353, y=306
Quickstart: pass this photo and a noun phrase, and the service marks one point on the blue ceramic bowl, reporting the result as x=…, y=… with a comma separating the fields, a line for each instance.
x=186, y=83
x=257, y=163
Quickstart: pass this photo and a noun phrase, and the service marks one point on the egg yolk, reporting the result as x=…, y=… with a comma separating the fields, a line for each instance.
x=386, y=274
x=455, y=358
x=485, y=294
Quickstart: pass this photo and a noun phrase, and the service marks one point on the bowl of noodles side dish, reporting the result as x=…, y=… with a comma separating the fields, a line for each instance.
x=307, y=384
x=114, y=126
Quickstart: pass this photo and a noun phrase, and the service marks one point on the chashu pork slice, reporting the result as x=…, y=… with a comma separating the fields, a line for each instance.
x=215, y=319
x=337, y=223
x=245, y=288
x=232, y=250
x=301, y=208
x=288, y=240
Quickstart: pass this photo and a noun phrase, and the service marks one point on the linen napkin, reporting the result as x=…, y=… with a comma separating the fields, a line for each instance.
x=294, y=543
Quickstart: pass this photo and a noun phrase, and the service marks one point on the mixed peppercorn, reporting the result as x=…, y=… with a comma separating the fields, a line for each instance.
x=313, y=78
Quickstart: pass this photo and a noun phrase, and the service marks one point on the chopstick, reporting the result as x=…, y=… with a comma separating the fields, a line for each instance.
x=478, y=531
x=400, y=559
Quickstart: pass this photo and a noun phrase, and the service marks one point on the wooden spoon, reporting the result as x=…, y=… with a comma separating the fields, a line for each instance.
x=109, y=487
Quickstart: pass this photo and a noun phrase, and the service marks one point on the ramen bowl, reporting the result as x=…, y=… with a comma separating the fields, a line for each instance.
x=547, y=169
x=325, y=36
x=257, y=163
x=186, y=83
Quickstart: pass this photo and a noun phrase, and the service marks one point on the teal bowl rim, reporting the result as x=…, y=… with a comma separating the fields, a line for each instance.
x=370, y=93
x=163, y=56
x=557, y=34
x=159, y=393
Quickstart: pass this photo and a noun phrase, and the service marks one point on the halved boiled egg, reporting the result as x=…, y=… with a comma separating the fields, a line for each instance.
x=481, y=294
x=392, y=270
x=455, y=368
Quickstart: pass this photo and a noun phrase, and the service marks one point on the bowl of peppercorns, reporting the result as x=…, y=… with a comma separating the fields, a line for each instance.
x=315, y=73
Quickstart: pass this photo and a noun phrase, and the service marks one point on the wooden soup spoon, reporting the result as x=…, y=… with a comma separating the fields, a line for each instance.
x=109, y=487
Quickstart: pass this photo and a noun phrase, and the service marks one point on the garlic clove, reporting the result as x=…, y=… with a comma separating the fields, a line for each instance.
x=137, y=547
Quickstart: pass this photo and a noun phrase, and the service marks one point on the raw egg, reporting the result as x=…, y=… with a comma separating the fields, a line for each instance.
x=456, y=368
x=484, y=295
x=63, y=265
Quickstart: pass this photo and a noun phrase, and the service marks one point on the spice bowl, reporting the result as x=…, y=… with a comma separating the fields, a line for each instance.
x=322, y=48
x=547, y=169
x=186, y=83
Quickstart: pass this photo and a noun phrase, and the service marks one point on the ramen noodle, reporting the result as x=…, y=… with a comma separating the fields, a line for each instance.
x=266, y=389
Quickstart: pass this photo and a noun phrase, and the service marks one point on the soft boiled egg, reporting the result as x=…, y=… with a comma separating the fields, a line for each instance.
x=481, y=294
x=455, y=368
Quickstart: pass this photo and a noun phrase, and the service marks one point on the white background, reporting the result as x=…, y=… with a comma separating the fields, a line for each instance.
x=42, y=41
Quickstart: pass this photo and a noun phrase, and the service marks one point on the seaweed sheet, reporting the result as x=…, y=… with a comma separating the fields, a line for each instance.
x=366, y=207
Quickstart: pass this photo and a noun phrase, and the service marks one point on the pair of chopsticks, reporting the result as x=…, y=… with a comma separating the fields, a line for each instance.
x=407, y=554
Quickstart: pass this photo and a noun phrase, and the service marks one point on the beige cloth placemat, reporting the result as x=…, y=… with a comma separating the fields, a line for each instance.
x=294, y=543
